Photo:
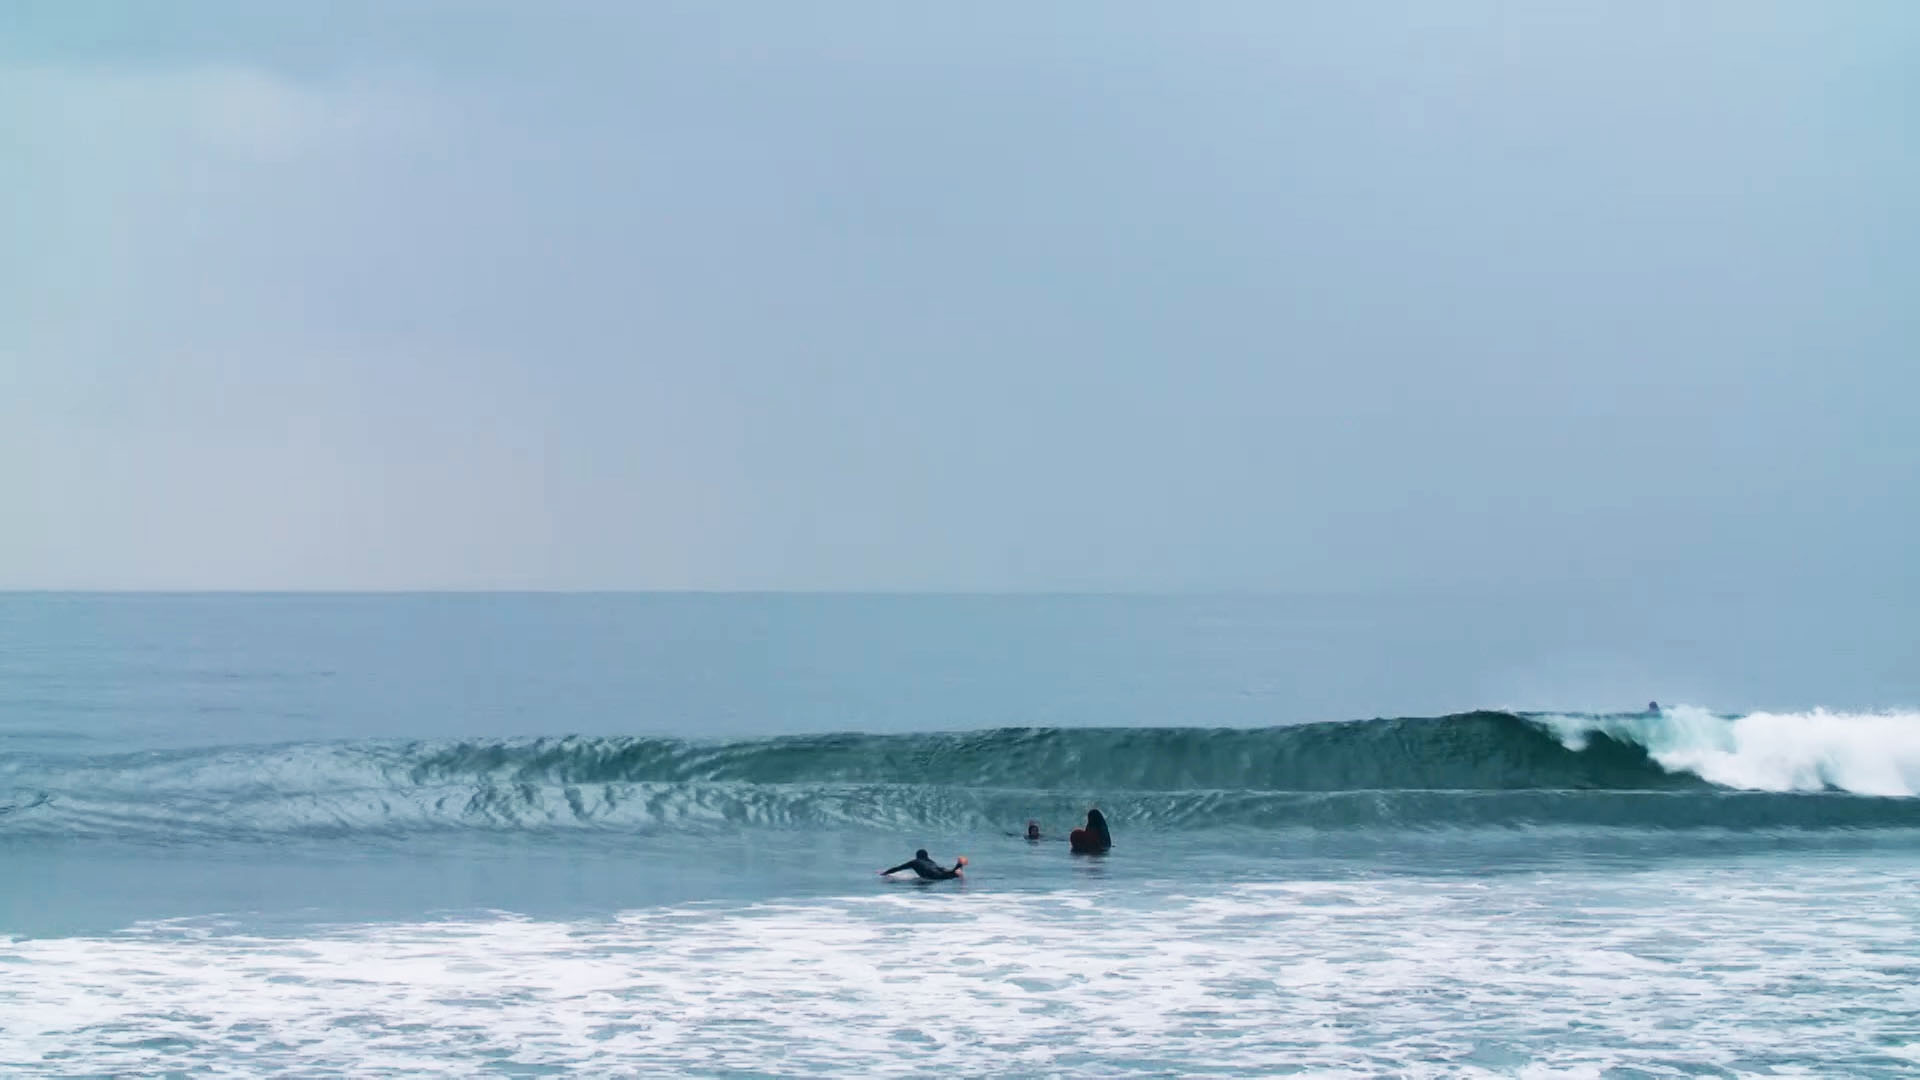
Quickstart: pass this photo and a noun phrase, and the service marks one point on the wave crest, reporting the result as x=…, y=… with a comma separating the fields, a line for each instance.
x=1683, y=768
x=1863, y=753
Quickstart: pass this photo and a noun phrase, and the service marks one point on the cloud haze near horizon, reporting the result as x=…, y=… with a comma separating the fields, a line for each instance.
x=1116, y=297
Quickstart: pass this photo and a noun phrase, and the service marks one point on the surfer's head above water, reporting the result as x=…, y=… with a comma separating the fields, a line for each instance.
x=1033, y=830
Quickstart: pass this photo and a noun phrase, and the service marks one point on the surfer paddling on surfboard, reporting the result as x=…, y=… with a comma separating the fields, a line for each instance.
x=927, y=868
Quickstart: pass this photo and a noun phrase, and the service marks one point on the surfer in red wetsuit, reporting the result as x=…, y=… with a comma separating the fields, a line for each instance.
x=1094, y=839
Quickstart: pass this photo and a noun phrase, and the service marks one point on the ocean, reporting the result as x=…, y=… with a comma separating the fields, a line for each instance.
x=638, y=835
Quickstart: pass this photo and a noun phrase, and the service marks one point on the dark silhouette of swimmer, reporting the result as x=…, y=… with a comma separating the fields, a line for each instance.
x=927, y=868
x=1653, y=706
x=1093, y=839
x=1033, y=830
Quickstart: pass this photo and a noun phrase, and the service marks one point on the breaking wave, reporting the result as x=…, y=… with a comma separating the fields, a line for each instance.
x=1681, y=768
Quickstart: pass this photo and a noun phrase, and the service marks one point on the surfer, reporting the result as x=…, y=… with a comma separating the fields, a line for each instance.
x=1033, y=831
x=1653, y=706
x=1094, y=839
x=927, y=868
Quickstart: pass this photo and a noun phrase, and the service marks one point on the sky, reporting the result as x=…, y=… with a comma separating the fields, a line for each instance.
x=1118, y=296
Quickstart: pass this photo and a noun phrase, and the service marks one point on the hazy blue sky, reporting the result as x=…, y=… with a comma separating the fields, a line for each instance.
x=1231, y=295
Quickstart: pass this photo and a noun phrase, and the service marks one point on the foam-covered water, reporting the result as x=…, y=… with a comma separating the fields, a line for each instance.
x=1803, y=967
x=464, y=836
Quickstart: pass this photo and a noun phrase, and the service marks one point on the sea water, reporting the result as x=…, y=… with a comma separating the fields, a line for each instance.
x=638, y=836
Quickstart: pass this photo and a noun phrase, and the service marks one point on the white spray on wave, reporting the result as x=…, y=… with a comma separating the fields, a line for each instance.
x=1865, y=753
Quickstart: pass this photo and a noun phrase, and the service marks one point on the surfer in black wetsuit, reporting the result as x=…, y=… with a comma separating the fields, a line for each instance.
x=1094, y=839
x=927, y=868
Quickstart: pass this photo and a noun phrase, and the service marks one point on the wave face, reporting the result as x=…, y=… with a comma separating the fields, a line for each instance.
x=1683, y=768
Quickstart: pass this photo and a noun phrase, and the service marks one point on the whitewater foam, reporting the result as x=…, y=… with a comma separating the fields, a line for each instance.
x=1863, y=753
x=1733, y=969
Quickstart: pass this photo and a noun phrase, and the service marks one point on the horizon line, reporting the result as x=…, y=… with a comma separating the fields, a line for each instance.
x=1716, y=588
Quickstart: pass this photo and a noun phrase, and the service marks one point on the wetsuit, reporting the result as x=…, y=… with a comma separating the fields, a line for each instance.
x=1094, y=839
x=1084, y=842
x=926, y=868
